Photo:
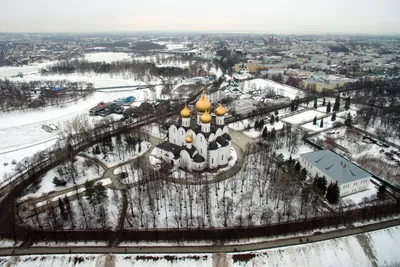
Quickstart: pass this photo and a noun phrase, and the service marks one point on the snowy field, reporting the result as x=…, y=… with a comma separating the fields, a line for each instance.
x=19, y=153
x=121, y=154
x=317, y=128
x=257, y=133
x=304, y=148
x=265, y=86
x=107, y=57
x=303, y=117
x=12, y=71
x=26, y=126
x=99, y=80
x=368, y=250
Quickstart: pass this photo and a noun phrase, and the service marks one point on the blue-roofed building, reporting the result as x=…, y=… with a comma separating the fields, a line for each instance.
x=351, y=178
x=125, y=101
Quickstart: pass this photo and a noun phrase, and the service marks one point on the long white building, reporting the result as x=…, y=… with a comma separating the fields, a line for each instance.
x=351, y=178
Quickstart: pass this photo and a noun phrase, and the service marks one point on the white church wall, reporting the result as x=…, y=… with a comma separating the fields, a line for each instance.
x=213, y=163
x=223, y=155
x=201, y=145
x=173, y=134
x=181, y=137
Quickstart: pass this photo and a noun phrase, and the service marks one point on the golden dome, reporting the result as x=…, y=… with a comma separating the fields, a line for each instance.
x=185, y=112
x=220, y=111
x=205, y=118
x=188, y=139
x=203, y=104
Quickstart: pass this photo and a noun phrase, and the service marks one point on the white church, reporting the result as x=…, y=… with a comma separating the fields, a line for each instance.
x=197, y=142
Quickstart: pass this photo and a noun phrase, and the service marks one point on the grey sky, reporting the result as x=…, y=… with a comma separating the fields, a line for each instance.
x=261, y=16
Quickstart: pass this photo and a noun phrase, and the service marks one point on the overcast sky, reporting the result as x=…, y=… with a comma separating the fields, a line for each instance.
x=258, y=16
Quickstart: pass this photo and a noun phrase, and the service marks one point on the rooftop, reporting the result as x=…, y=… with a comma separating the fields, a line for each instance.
x=335, y=166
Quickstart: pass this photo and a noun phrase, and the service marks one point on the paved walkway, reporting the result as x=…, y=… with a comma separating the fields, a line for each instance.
x=220, y=248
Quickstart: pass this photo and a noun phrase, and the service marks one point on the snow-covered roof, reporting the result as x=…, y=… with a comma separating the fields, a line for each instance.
x=335, y=166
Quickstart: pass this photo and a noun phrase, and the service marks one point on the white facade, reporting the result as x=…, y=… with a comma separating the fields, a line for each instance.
x=351, y=179
x=197, y=147
x=354, y=187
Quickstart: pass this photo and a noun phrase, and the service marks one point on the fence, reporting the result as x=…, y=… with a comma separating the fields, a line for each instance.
x=366, y=213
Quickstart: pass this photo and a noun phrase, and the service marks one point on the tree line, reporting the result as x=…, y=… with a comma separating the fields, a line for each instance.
x=15, y=95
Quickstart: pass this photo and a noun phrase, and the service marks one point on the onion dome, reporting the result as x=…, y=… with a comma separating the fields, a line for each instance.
x=185, y=112
x=220, y=111
x=203, y=104
x=206, y=117
x=188, y=139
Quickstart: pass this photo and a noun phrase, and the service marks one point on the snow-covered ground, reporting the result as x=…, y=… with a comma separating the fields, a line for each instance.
x=303, y=148
x=240, y=125
x=317, y=128
x=303, y=117
x=107, y=57
x=98, y=80
x=358, y=197
x=12, y=71
x=368, y=250
x=20, y=130
x=106, y=212
x=114, y=158
x=256, y=133
x=46, y=185
x=19, y=153
x=268, y=86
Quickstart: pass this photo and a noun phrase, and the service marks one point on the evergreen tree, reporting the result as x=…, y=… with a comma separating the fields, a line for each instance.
x=272, y=134
x=296, y=104
x=303, y=174
x=333, y=193
x=265, y=133
x=349, y=120
x=333, y=118
x=315, y=103
x=276, y=119
x=272, y=120
x=336, y=106
x=315, y=120
x=321, y=124
x=319, y=184
x=261, y=124
x=292, y=106
x=256, y=125
x=382, y=192
x=297, y=167
x=328, y=107
x=347, y=104
x=276, y=113
x=62, y=208
x=100, y=192
x=89, y=191
x=324, y=102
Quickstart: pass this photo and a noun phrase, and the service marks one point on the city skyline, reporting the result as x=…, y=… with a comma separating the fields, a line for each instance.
x=284, y=17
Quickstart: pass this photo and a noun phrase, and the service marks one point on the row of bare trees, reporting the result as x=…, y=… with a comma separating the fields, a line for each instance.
x=15, y=95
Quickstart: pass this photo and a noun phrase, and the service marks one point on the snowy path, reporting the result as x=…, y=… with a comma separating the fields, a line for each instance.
x=271, y=244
